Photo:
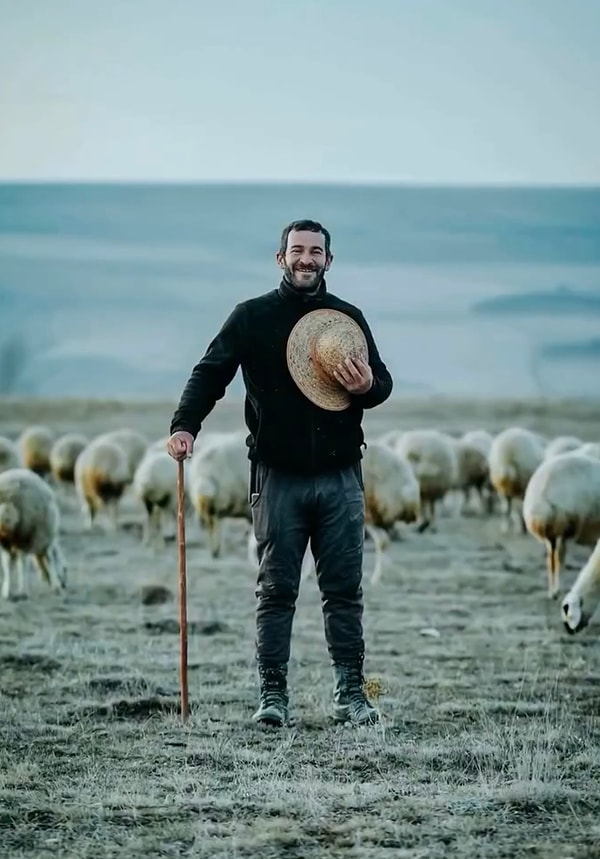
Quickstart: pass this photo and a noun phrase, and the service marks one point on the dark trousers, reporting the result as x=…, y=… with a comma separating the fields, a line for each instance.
x=288, y=512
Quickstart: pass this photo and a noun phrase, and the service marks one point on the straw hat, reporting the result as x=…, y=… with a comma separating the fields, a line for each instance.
x=318, y=342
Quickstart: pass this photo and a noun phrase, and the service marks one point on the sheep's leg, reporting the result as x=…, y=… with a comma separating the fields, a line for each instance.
x=88, y=512
x=7, y=566
x=214, y=537
x=507, y=524
x=56, y=567
x=558, y=558
x=159, y=537
x=522, y=521
x=380, y=541
x=22, y=590
x=426, y=519
x=252, y=549
x=552, y=566
x=112, y=516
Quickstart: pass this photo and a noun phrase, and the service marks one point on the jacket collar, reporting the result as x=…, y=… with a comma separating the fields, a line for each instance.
x=291, y=293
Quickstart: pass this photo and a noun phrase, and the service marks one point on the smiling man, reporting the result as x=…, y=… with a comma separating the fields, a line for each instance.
x=305, y=474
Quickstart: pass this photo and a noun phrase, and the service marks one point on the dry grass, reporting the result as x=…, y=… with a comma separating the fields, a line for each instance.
x=489, y=745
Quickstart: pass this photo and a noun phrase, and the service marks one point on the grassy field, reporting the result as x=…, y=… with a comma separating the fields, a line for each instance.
x=490, y=740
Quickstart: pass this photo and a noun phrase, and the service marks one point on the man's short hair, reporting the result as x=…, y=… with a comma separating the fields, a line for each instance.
x=308, y=226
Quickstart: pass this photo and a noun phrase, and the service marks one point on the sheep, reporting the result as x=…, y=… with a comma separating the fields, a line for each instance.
x=562, y=444
x=581, y=602
x=102, y=473
x=218, y=484
x=133, y=444
x=514, y=456
x=29, y=525
x=63, y=456
x=562, y=502
x=472, y=451
x=155, y=485
x=392, y=494
x=432, y=456
x=590, y=448
x=9, y=454
x=35, y=444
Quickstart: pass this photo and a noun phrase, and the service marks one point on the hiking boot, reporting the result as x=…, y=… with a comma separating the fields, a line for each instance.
x=273, y=706
x=350, y=704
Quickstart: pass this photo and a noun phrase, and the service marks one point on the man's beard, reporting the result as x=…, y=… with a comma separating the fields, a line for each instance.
x=304, y=277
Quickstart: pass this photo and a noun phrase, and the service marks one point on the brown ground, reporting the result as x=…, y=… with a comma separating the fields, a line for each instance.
x=490, y=744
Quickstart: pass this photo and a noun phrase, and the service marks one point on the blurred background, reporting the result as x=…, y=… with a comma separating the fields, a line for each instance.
x=151, y=153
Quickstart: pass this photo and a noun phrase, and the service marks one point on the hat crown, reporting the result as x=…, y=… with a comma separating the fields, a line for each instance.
x=318, y=342
x=336, y=343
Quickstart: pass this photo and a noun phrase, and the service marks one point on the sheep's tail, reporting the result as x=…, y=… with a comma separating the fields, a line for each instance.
x=9, y=516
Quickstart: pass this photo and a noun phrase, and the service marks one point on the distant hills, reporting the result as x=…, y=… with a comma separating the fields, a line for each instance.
x=587, y=350
x=562, y=300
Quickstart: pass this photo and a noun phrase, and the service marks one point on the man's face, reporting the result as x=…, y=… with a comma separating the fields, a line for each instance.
x=305, y=260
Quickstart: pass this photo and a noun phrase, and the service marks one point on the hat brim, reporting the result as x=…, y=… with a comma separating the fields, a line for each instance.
x=317, y=386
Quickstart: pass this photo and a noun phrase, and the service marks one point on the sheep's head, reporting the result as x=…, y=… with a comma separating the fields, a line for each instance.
x=574, y=616
x=582, y=600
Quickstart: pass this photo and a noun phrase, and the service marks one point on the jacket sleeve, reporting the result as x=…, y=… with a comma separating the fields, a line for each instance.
x=382, y=385
x=213, y=373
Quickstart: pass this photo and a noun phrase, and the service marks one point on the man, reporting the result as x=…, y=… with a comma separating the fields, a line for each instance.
x=305, y=474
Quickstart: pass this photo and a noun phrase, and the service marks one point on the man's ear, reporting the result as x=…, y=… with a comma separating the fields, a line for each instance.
x=328, y=262
x=280, y=259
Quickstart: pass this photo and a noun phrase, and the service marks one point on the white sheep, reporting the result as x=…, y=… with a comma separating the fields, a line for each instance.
x=562, y=502
x=562, y=444
x=392, y=495
x=514, y=456
x=432, y=455
x=155, y=485
x=102, y=473
x=35, y=444
x=218, y=484
x=133, y=444
x=580, y=604
x=590, y=448
x=473, y=470
x=9, y=454
x=29, y=525
x=63, y=456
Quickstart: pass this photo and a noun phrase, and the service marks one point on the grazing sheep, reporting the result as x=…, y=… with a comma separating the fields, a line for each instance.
x=392, y=494
x=514, y=456
x=155, y=485
x=218, y=484
x=29, y=525
x=432, y=455
x=562, y=502
x=133, y=444
x=102, y=474
x=473, y=470
x=562, y=444
x=63, y=456
x=35, y=444
x=9, y=454
x=580, y=604
x=591, y=448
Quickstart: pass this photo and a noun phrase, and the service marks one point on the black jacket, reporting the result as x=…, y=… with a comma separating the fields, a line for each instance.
x=287, y=431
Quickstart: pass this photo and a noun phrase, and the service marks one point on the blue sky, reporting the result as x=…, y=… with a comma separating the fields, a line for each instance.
x=448, y=91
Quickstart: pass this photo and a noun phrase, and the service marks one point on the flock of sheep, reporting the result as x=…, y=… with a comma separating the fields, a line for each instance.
x=547, y=487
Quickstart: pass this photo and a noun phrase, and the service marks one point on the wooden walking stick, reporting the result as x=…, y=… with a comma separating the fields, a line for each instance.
x=183, y=641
